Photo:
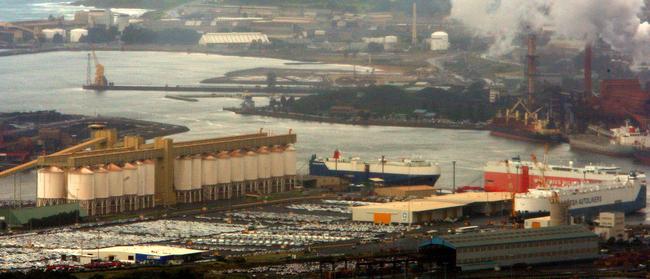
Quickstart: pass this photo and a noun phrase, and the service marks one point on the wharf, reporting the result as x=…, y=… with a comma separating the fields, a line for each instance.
x=223, y=89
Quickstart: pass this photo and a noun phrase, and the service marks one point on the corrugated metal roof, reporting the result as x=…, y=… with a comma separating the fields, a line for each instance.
x=233, y=38
x=513, y=236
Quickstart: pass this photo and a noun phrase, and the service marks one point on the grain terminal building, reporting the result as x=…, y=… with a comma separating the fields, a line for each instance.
x=434, y=208
x=487, y=250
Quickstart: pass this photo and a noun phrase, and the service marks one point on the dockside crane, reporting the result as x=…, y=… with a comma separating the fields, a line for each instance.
x=100, y=79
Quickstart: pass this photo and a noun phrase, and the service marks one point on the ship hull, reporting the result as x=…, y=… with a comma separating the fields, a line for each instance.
x=357, y=177
x=589, y=204
x=523, y=135
x=643, y=156
x=599, y=145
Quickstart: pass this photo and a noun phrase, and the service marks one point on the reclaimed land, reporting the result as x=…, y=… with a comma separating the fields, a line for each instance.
x=360, y=122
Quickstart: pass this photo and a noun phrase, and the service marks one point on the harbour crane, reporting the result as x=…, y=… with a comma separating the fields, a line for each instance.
x=100, y=78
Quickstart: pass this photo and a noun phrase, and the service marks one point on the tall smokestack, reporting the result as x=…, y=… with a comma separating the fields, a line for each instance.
x=414, y=33
x=532, y=68
x=588, y=92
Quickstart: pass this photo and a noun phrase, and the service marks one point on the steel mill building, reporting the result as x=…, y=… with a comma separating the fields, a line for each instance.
x=115, y=177
x=489, y=250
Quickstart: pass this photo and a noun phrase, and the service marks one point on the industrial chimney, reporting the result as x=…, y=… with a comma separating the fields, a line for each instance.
x=587, y=70
x=414, y=33
x=532, y=68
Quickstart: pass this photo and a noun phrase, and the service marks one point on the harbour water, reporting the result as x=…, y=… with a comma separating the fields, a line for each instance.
x=16, y=10
x=52, y=81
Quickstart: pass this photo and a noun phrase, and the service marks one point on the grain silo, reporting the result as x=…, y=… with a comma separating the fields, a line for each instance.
x=130, y=177
x=237, y=172
x=81, y=188
x=183, y=178
x=197, y=176
x=101, y=190
x=264, y=169
x=115, y=188
x=290, y=162
x=142, y=184
x=250, y=171
x=277, y=168
x=150, y=183
x=51, y=188
x=209, y=176
x=224, y=175
x=559, y=211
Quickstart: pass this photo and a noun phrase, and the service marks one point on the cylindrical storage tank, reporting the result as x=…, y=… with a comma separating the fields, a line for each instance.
x=263, y=162
x=130, y=176
x=277, y=162
x=236, y=166
x=77, y=34
x=142, y=177
x=81, y=184
x=559, y=213
x=183, y=174
x=290, y=160
x=51, y=183
x=197, y=169
x=250, y=166
x=101, y=183
x=50, y=33
x=150, y=181
x=209, y=172
x=223, y=164
x=115, y=181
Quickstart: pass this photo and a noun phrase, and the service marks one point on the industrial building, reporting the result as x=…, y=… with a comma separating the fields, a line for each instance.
x=146, y=254
x=439, y=41
x=36, y=216
x=117, y=177
x=611, y=224
x=488, y=250
x=233, y=39
x=434, y=208
x=419, y=191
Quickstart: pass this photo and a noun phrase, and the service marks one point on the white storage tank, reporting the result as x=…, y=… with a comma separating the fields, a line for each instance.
x=290, y=160
x=150, y=182
x=101, y=183
x=50, y=33
x=115, y=181
x=439, y=41
x=183, y=174
x=390, y=42
x=130, y=176
x=81, y=184
x=277, y=161
x=51, y=183
x=236, y=166
x=197, y=168
x=263, y=162
x=209, y=172
x=250, y=166
x=223, y=164
x=142, y=177
x=77, y=34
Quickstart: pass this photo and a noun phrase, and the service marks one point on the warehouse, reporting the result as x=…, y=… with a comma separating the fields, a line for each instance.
x=154, y=254
x=434, y=208
x=419, y=191
x=488, y=250
x=36, y=217
x=233, y=39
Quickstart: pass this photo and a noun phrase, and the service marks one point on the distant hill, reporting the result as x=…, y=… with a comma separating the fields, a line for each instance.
x=140, y=4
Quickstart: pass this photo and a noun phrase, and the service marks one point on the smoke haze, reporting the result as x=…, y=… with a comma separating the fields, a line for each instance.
x=617, y=23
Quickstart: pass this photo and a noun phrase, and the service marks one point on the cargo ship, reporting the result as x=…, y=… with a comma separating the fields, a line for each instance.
x=524, y=125
x=399, y=172
x=622, y=141
x=627, y=195
x=518, y=176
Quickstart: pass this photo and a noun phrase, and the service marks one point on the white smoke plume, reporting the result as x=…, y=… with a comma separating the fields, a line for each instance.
x=617, y=22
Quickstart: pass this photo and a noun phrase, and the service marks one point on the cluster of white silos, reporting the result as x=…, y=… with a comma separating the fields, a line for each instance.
x=99, y=189
x=234, y=173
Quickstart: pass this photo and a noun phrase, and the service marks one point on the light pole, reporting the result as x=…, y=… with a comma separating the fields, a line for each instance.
x=453, y=167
